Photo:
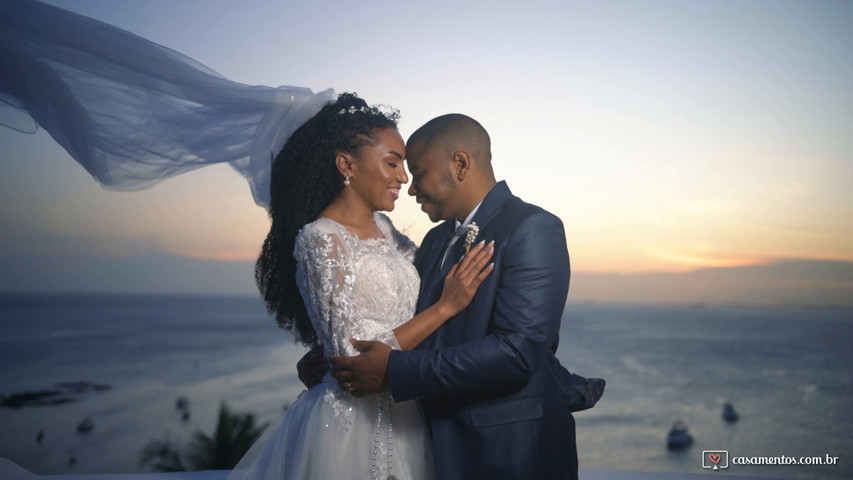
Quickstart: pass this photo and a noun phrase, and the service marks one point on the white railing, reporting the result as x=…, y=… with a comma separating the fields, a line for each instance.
x=10, y=471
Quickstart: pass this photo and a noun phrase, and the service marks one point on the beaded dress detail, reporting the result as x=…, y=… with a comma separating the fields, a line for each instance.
x=361, y=289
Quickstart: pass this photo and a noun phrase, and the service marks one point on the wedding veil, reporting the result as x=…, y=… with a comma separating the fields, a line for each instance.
x=132, y=112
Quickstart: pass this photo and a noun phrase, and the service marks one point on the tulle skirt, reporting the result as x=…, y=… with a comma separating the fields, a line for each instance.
x=328, y=434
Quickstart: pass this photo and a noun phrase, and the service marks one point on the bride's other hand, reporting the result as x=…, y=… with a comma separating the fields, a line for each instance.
x=464, y=278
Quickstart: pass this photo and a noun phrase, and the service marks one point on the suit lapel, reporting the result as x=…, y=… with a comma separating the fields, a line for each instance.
x=491, y=206
x=428, y=265
x=431, y=275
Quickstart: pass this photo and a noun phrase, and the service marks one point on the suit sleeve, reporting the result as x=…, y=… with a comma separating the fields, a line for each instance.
x=529, y=303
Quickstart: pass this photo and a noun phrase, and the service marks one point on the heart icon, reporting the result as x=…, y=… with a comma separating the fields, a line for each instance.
x=714, y=457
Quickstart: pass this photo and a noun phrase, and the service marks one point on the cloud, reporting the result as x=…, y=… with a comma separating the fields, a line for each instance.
x=784, y=282
x=151, y=273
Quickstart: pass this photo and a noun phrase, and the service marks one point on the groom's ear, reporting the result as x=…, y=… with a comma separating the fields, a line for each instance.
x=461, y=164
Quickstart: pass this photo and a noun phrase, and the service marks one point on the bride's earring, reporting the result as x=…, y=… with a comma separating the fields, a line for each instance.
x=346, y=180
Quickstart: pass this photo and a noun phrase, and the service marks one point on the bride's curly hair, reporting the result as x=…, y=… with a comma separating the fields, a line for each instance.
x=304, y=181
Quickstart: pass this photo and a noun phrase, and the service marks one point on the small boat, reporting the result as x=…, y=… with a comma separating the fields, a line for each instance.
x=729, y=413
x=86, y=426
x=182, y=403
x=678, y=437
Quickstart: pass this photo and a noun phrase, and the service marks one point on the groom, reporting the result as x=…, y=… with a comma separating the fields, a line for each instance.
x=492, y=391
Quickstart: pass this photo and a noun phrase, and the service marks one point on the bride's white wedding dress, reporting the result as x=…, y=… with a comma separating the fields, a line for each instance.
x=359, y=289
x=132, y=113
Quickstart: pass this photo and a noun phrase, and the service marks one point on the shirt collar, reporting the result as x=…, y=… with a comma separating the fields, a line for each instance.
x=468, y=218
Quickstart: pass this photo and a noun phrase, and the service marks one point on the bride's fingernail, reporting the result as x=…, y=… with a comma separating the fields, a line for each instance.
x=481, y=242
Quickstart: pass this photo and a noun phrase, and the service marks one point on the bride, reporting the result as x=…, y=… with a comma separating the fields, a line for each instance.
x=332, y=267
x=350, y=277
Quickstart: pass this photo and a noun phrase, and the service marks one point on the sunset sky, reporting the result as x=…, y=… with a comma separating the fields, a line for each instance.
x=667, y=135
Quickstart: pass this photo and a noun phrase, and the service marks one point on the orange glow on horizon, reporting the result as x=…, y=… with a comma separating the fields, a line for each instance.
x=219, y=255
x=691, y=261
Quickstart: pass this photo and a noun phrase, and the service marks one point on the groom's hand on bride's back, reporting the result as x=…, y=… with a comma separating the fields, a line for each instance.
x=312, y=367
x=365, y=373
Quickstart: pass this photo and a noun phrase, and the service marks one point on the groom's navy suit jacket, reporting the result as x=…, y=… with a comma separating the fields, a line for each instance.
x=488, y=378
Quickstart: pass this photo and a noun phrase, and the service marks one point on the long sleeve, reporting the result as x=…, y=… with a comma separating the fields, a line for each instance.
x=326, y=277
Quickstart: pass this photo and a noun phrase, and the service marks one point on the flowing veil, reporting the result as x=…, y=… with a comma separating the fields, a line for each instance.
x=133, y=112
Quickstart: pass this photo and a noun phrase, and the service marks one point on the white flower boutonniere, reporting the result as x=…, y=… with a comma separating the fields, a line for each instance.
x=471, y=232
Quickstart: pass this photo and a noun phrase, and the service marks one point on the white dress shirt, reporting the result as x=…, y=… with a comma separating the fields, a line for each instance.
x=456, y=237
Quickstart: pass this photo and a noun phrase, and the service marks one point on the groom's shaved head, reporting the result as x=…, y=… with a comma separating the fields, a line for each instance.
x=450, y=159
x=453, y=132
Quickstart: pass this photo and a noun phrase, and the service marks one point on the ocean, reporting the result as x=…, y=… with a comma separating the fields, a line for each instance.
x=124, y=360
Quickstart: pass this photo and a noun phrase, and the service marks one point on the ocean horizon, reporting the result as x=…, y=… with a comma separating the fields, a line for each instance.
x=123, y=360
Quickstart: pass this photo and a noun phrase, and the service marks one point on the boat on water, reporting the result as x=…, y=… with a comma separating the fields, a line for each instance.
x=86, y=426
x=678, y=437
x=182, y=403
x=729, y=413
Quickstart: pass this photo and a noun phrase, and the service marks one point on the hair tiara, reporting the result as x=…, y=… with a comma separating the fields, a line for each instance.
x=384, y=110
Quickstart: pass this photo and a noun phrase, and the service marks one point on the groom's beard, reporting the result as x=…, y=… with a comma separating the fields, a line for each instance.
x=436, y=206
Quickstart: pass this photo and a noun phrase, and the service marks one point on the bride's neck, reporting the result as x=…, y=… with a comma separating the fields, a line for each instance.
x=351, y=213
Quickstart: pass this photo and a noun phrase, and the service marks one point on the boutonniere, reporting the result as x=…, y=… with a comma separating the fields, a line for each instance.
x=471, y=232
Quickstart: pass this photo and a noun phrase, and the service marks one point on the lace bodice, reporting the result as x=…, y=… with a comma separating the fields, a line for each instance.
x=355, y=288
x=352, y=289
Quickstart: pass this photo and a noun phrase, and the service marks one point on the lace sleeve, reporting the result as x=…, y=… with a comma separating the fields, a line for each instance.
x=326, y=279
x=325, y=275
